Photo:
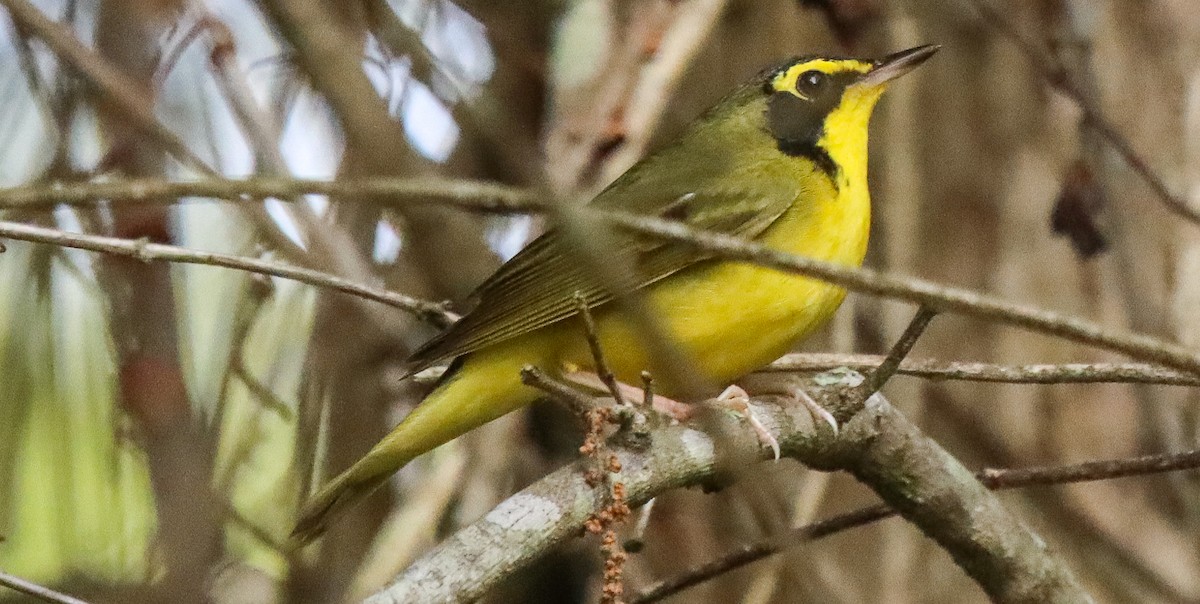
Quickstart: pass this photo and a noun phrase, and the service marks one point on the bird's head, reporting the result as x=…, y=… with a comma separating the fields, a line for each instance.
x=817, y=105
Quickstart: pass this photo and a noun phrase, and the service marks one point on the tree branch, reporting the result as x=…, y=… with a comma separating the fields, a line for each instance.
x=891, y=363
x=125, y=94
x=146, y=251
x=1050, y=69
x=937, y=297
x=476, y=196
x=918, y=291
x=996, y=479
x=37, y=591
x=937, y=370
x=878, y=445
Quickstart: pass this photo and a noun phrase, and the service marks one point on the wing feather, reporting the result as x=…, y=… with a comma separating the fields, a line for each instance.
x=537, y=287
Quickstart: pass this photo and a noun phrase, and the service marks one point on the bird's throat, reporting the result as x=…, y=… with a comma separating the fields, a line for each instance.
x=844, y=137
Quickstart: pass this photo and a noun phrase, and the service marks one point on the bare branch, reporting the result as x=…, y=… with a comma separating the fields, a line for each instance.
x=109, y=81
x=593, y=339
x=995, y=548
x=992, y=478
x=30, y=588
x=891, y=363
x=938, y=370
x=476, y=196
x=260, y=391
x=146, y=251
x=757, y=551
x=1090, y=471
x=933, y=369
x=1050, y=69
x=938, y=297
x=580, y=403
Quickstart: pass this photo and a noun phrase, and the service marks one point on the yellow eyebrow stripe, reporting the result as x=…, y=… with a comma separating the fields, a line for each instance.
x=786, y=81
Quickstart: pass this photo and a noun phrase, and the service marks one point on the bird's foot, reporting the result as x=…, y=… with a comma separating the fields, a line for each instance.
x=737, y=400
x=798, y=394
x=733, y=398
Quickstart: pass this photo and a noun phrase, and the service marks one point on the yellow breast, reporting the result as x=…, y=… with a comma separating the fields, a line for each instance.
x=733, y=318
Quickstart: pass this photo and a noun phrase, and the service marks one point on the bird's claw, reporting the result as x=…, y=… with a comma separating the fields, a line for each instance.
x=733, y=398
x=798, y=394
x=738, y=400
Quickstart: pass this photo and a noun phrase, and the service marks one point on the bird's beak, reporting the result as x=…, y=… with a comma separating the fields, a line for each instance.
x=897, y=64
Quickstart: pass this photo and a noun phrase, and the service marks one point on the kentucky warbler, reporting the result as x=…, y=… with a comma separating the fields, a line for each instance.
x=782, y=160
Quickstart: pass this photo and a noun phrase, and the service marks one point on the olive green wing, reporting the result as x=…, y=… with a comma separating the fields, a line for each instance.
x=537, y=287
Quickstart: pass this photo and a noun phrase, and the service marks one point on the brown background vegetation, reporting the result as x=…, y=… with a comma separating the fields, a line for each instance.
x=973, y=157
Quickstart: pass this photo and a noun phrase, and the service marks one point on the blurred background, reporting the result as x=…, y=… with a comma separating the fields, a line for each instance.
x=158, y=424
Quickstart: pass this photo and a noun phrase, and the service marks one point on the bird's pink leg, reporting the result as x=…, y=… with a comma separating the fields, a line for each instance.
x=733, y=398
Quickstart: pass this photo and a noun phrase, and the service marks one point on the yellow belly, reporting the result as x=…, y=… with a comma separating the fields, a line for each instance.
x=733, y=318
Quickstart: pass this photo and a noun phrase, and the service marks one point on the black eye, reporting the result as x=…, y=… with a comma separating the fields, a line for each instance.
x=810, y=83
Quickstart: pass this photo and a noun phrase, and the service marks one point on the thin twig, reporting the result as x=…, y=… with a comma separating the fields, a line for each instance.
x=259, y=533
x=757, y=551
x=614, y=267
x=259, y=290
x=891, y=363
x=996, y=479
x=593, y=339
x=146, y=251
x=261, y=392
x=30, y=588
x=647, y=390
x=937, y=370
x=941, y=298
x=960, y=371
x=475, y=196
x=1056, y=75
x=1001, y=478
x=578, y=402
x=110, y=82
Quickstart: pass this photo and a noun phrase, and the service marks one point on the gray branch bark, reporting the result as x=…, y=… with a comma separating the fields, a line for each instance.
x=877, y=444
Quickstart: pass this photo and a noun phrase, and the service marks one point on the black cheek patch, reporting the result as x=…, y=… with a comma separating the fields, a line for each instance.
x=792, y=118
x=797, y=125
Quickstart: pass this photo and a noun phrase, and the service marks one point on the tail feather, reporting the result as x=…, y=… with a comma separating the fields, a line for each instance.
x=487, y=386
x=333, y=499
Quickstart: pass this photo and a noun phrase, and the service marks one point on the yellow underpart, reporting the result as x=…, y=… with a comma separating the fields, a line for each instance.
x=786, y=81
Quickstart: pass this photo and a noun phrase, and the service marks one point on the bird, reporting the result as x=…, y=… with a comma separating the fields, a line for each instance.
x=781, y=161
